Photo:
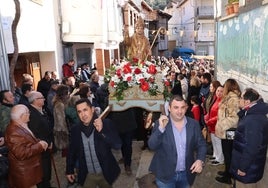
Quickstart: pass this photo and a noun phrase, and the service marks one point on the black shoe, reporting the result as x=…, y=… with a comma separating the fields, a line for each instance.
x=221, y=173
x=224, y=179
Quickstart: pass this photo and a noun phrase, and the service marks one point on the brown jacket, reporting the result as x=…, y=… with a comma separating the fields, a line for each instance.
x=24, y=157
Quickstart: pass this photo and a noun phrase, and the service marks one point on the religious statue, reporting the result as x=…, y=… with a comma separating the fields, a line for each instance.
x=136, y=84
x=138, y=46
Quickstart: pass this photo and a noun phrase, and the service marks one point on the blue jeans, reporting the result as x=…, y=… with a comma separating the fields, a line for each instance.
x=179, y=180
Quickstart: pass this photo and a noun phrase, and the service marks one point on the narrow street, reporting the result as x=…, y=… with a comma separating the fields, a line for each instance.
x=123, y=181
x=141, y=178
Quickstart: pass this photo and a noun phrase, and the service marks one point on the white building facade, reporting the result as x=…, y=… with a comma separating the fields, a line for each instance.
x=51, y=32
x=192, y=25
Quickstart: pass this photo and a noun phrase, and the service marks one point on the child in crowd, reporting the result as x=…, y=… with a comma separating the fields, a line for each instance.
x=195, y=108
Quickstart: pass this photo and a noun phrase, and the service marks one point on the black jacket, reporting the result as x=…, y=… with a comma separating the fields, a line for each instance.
x=39, y=124
x=250, y=143
x=176, y=90
x=104, y=141
x=43, y=87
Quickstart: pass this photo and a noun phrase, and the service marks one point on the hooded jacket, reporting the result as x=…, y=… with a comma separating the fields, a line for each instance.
x=250, y=143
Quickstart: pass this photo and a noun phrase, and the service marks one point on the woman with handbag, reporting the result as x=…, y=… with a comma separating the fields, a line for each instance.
x=227, y=119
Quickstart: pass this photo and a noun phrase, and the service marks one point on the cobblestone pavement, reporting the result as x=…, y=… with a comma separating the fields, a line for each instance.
x=141, y=178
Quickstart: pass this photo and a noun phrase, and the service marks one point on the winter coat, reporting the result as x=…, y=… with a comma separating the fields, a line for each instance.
x=102, y=96
x=71, y=116
x=227, y=114
x=204, y=91
x=94, y=86
x=67, y=70
x=104, y=141
x=192, y=91
x=5, y=110
x=208, y=102
x=44, y=86
x=176, y=89
x=250, y=143
x=24, y=157
x=60, y=130
x=211, y=118
x=196, y=112
x=40, y=126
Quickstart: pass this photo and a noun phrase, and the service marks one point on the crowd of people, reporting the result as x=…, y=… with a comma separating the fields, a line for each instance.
x=64, y=116
x=38, y=121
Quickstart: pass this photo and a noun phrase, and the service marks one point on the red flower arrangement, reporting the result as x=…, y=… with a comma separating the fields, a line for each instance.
x=126, y=74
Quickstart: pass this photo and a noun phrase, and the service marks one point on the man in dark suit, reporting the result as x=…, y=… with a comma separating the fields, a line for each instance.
x=40, y=126
x=180, y=148
x=90, y=145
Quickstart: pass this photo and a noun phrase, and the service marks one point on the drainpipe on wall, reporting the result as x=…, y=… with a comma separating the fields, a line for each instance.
x=4, y=64
x=215, y=38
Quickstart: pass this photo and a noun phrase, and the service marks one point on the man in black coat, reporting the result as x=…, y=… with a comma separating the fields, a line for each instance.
x=250, y=141
x=25, y=89
x=44, y=85
x=91, y=142
x=40, y=126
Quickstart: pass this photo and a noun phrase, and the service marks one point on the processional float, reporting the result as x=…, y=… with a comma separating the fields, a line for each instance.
x=135, y=97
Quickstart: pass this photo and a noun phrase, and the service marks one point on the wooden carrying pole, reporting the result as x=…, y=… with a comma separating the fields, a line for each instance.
x=106, y=112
